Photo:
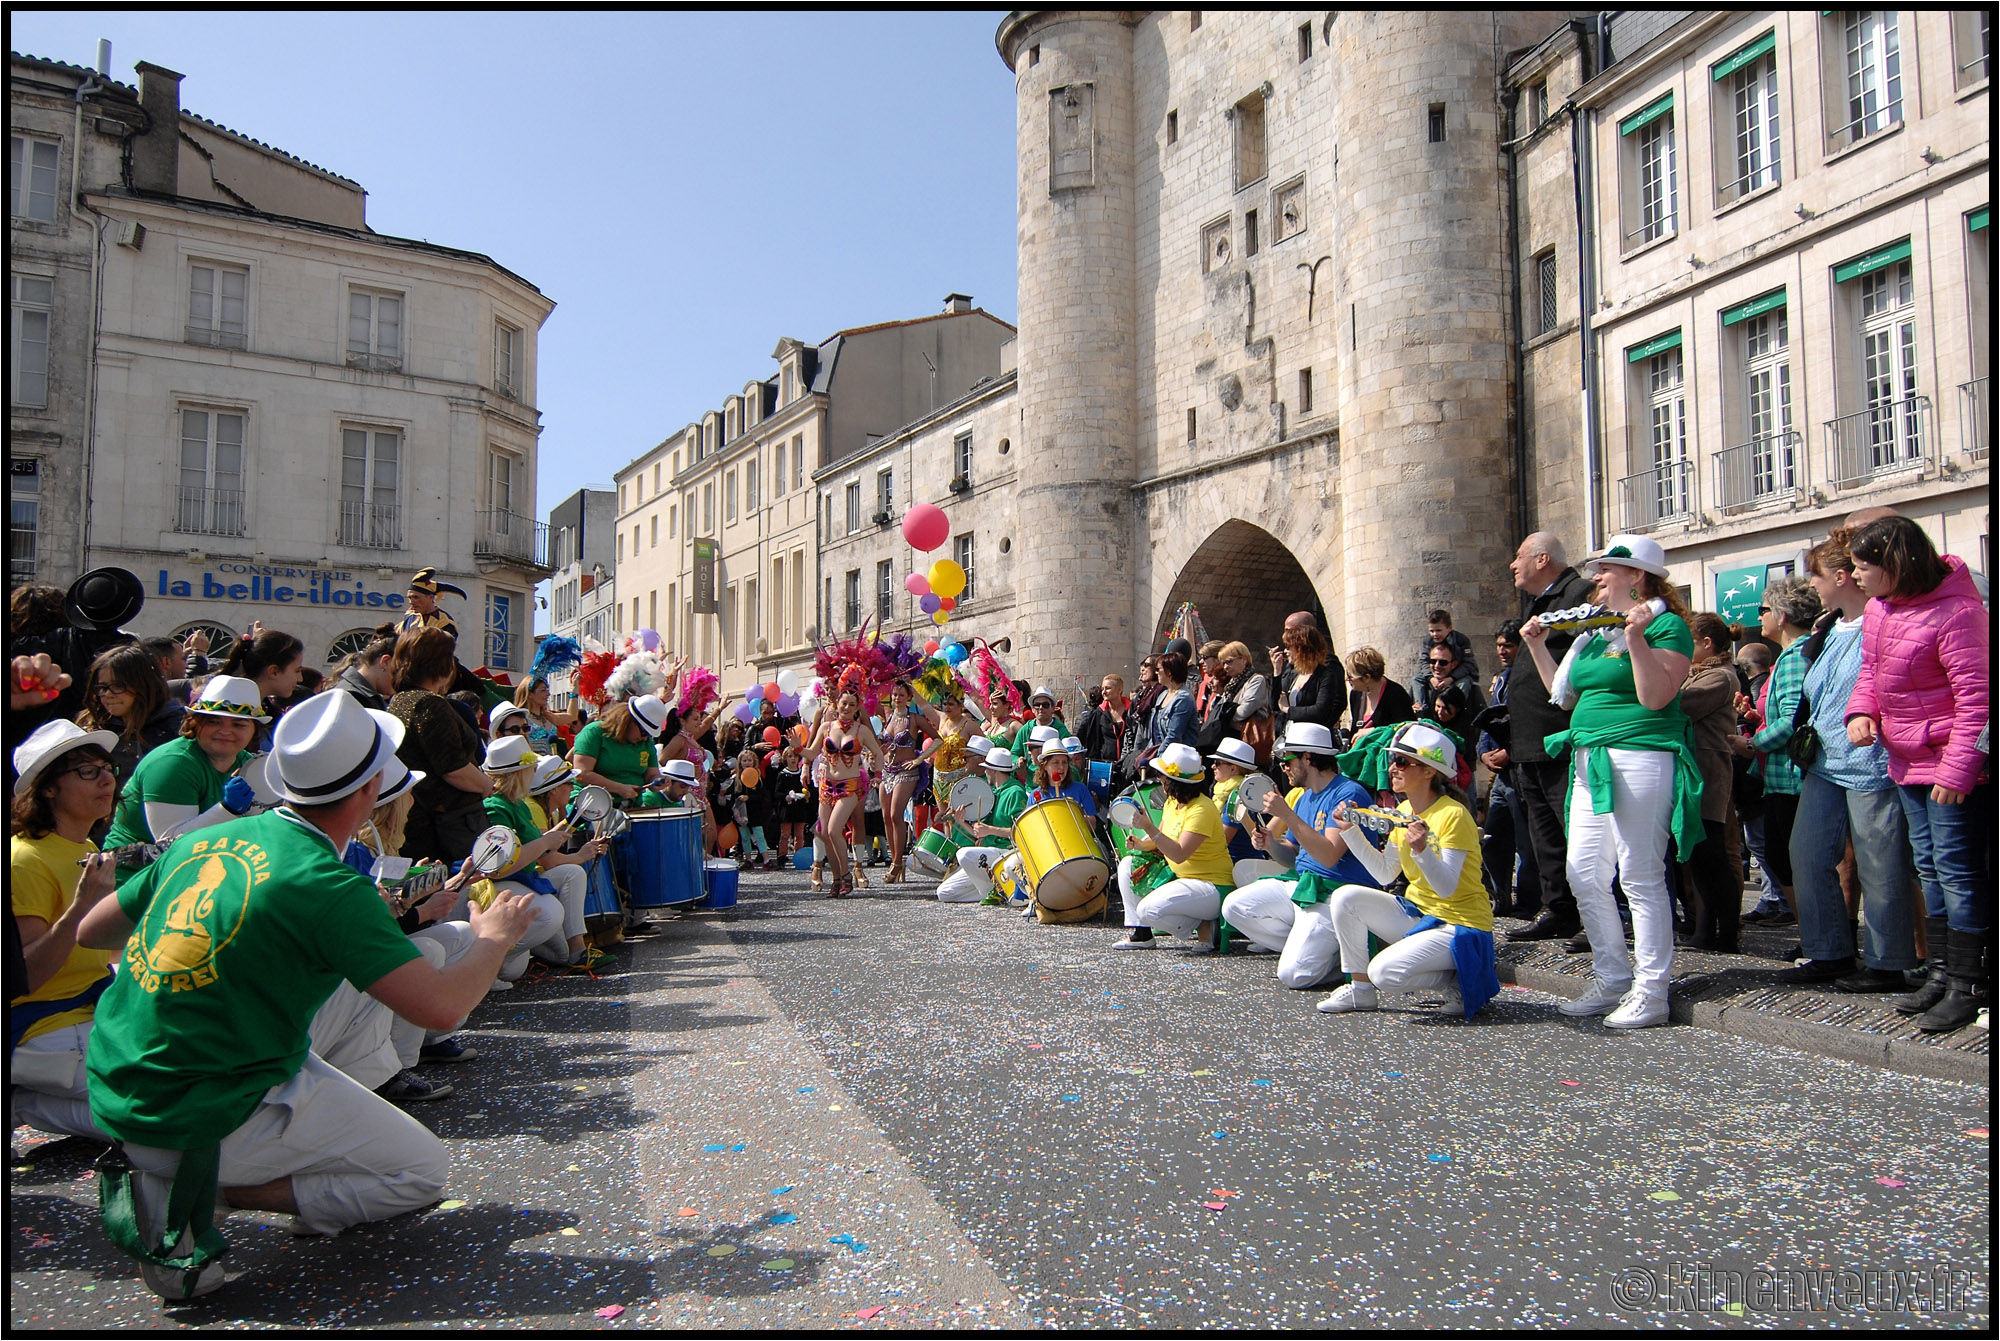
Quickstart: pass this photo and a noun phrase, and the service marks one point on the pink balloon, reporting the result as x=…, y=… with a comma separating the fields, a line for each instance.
x=917, y=584
x=926, y=527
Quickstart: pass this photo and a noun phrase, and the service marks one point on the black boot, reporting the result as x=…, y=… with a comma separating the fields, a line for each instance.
x=1967, y=953
x=1937, y=934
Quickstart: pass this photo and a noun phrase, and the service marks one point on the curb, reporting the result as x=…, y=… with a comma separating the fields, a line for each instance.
x=1893, y=1054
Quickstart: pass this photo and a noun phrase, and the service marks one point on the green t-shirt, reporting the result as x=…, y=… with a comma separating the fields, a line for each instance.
x=242, y=931
x=616, y=760
x=177, y=773
x=1024, y=739
x=515, y=815
x=1008, y=803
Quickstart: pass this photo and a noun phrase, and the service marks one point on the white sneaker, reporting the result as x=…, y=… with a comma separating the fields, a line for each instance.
x=1257, y=949
x=1354, y=996
x=1453, y=1003
x=1150, y=943
x=1601, y=998
x=1638, y=1012
x=500, y=985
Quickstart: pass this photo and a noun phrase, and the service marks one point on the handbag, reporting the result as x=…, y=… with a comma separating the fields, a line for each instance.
x=1804, y=747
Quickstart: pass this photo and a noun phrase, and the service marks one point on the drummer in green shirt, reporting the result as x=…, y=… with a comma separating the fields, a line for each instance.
x=190, y=783
x=1044, y=705
x=620, y=751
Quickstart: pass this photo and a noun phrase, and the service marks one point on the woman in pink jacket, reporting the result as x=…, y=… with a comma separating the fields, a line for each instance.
x=1926, y=663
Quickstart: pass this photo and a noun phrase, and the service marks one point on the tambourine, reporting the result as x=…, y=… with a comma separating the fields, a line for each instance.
x=1253, y=794
x=1579, y=618
x=256, y=771
x=1123, y=812
x=971, y=799
x=590, y=805
x=1374, y=820
x=614, y=825
x=492, y=852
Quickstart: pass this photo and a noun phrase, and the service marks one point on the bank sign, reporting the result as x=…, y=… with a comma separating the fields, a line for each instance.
x=275, y=584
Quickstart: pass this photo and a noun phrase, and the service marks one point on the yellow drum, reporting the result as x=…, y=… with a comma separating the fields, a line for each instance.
x=1062, y=860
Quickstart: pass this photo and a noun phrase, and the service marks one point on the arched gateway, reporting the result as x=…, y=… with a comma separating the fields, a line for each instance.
x=1244, y=582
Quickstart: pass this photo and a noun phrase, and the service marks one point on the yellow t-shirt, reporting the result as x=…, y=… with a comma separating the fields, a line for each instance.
x=1452, y=830
x=43, y=879
x=1210, y=861
x=1225, y=794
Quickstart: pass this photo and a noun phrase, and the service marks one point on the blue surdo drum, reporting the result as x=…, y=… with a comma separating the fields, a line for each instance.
x=661, y=858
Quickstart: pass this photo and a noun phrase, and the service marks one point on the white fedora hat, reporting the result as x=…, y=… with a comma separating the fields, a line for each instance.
x=1000, y=759
x=1426, y=745
x=1071, y=745
x=508, y=754
x=1042, y=735
x=396, y=780
x=1041, y=691
x=1306, y=738
x=231, y=696
x=649, y=712
x=1632, y=551
x=1234, y=751
x=51, y=740
x=979, y=747
x=550, y=774
x=1180, y=762
x=680, y=770
x=501, y=714
x=329, y=747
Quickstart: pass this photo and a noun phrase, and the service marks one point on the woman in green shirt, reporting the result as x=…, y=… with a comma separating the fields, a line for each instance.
x=511, y=765
x=1635, y=787
x=187, y=783
x=620, y=751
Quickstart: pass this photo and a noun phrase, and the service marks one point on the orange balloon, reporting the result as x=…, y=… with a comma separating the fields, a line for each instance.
x=772, y=735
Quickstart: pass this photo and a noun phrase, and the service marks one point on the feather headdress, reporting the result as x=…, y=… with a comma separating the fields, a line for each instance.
x=937, y=680
x=699, y=688
x=861, y=663
x=640, y=673
x=555, y=654
x=591, y=675
x=989, y=677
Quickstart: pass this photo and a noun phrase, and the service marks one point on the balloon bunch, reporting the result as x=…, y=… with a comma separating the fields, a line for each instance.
x=781, y=693
x=927, y=527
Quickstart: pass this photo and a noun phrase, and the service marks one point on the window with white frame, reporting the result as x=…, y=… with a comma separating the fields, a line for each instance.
x=961, y=459
x=852, y=609
x=826, y=516
x=798, y=461
x=1763, y=466
x=502, y=471
x=778, y=633
x=853, y=507
x=753, y=616
x=708, y=508
x=1971, y=45
x=30, y=313
x=673, y=521
x=24, y=516
x=1652, y=192
x=1748, y=152
x=1666, y=417
x=211, y=473
x=32, y=178
x=656, y=530
x=964, y=552
x=778, y=475
x=750, y=500
x=371, y=462
x=1869, y=96
x=501, y=610
x=507, y=358
x=885, y=599
x=729, y=499
x=218, y=309
x=885, y=490
x=1885, y=300
x=374, y=330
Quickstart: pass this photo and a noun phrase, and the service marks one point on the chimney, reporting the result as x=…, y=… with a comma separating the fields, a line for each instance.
x=104, y=58
x=957, y=302
x=156, y=154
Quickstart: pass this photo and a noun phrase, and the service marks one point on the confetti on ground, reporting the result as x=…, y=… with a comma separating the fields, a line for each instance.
x=806, y=1089
x=780, y=1191
x=833, y=1108
x=1393, y=1075
x=1072, y=1098
x=1892, y=1182
x=713, y=1149
x=685, y=1211
x=1573, y=1084
x=569, y=1233
x=1222, y=1136
x=574, y=1168
x=1976, y=1131
x=1663, y=1196
x=842, y=1239
x=610, y=1310
x=866, y=1313
x=1216, y=1205
x=783, y=1218
x=451, y=1205
x=1035, y=1047
x=778, y=1264
x=1219, y=1192
x=1260, y=1082
x=1438, y=1158
x=723, y=1250
x=1203, y=1072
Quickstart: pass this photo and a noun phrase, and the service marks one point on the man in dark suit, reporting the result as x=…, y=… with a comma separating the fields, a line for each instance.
x=1541, y=570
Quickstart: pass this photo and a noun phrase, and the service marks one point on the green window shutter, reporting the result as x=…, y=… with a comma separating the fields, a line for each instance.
x=1756, y=307
x=1659, y=344
x=1872, y=262
x=1761, y=47
x=1978, y=218
x=1652, y=111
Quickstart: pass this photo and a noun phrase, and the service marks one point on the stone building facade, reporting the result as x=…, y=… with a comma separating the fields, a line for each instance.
x=289, y=413
x=732, y=506
x=582, y=548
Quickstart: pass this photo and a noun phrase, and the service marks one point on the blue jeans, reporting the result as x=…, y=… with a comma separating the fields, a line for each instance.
x=1753, y=838
x=1828, y=815
x=1949, y=845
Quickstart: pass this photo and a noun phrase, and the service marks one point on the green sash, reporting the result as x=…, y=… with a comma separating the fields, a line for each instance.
x=190, y=1206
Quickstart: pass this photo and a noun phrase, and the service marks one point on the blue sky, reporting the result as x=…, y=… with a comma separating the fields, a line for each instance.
x=686, y=187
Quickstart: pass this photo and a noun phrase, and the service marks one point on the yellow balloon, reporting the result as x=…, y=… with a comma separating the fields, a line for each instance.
x=946, y=578
x=940, y=619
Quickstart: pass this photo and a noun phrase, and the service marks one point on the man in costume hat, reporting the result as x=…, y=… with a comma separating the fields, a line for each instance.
x=425, y=613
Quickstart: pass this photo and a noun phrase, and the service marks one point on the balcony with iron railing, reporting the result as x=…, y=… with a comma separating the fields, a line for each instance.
x=1973, y=429
x=1652, y=498
x=1761, y=473
x=512, y=537
x=1888, y=438
x=371, y=525
x=204, y=511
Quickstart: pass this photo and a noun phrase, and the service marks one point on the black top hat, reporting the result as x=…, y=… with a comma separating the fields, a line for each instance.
x=103, y=599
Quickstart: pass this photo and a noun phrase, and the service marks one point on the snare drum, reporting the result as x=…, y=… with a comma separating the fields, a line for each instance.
x=661, y=858
x=1061, y=859
x=600, y=893
x=936, y=852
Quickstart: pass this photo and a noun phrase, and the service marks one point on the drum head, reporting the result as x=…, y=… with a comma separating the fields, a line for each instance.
x=972, y=798
x=1124, y=812
x=592, y=804
x=257, y=772
x=1253, y=794
x=1072, y=884
x=494, y=850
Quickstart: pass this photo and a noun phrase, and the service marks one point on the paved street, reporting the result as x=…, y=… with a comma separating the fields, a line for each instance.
x=892, y=1112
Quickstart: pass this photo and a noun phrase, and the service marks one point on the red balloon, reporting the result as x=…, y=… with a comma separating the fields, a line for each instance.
x=771, y=694
x=931, y=647
x=947, y=603
x=772, y=736
x=926, y=527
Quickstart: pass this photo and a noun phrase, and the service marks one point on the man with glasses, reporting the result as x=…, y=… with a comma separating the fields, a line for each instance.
x=1447, y=668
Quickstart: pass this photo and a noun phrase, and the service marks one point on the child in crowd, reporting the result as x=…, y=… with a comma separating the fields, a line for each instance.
x=796, y=804
x=741, y=788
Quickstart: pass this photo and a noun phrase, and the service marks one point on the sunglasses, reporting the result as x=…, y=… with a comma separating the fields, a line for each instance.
x=90, y=772
x=514, y=729
x=1763, y=609
x=103, y=688
x=1442, y=661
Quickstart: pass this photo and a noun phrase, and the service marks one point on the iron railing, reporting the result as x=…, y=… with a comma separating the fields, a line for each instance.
x=1654, y=497
x=1885, y=438
x=509, y=535
x=371, y=525
x=1973, y=429
x=209, y=511
x=1759, y=473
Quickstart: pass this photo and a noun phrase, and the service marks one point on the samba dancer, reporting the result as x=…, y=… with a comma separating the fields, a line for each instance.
x=1439, y=934
x=904, y=775
x=1289, y=914
x=839, y=742
x=1189, y=839
x=953, y=732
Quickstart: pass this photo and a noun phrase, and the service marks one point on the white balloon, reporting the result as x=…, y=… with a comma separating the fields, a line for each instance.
x=788, y=682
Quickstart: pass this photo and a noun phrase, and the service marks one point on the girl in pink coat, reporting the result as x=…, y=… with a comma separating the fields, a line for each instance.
x=1923, y=691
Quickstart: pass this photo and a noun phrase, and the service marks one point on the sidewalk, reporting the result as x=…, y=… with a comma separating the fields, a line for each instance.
x=1739, y=994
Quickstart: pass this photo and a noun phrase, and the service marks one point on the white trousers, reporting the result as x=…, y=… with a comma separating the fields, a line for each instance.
x=356, y=1035
x=1410, y=963
x=441, y=944
x=973, y=880
x=352, y=1156
x=1302, y=937
x=1177, y=908
x=544, y=938
x=1630, y=842
x=572, y=884
x=51, y=1090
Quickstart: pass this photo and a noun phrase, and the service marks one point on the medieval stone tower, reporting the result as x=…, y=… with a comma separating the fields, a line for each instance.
x=1265, y=357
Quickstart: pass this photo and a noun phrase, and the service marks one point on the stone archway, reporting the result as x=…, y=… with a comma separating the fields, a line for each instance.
x=1244, y=581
